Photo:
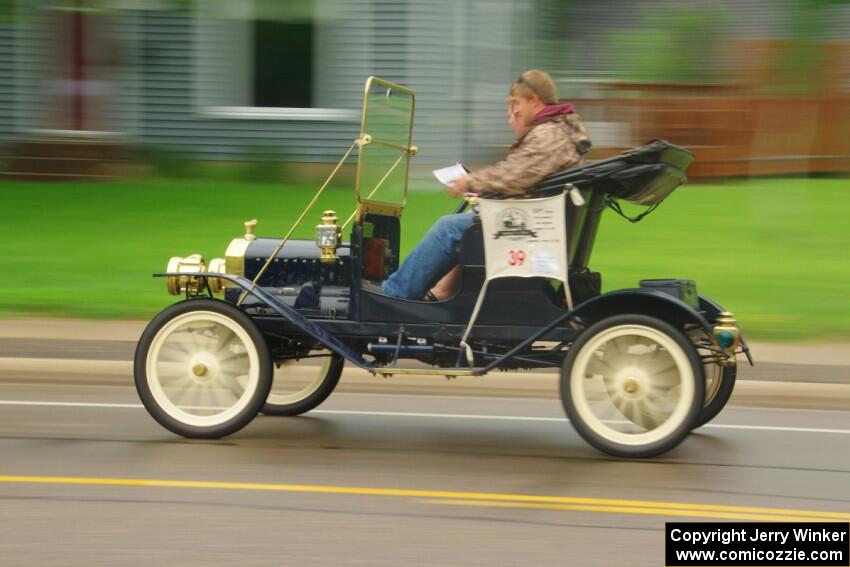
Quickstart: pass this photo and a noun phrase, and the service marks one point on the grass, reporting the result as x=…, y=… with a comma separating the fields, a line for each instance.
x=772, y=251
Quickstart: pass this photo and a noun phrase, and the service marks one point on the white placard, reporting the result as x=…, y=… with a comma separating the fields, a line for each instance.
x=525, y=238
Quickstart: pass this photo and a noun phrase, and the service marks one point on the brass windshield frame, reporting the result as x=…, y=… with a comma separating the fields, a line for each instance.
x=365, y=203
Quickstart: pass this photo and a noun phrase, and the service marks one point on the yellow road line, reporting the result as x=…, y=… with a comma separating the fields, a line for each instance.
x=649, y=511
x=527, y=500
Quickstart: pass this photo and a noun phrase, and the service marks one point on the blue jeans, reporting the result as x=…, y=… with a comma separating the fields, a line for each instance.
x=432, y=258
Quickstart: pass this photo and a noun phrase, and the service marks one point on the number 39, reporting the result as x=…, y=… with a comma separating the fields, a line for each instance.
x=516, y=257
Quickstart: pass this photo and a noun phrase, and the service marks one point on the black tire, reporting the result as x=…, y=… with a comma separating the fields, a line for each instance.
x=171, y=414
x=686, y=412
x=312, y=396
x=717, y=399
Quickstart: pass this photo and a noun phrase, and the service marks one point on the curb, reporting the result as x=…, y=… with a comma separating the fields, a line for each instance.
x=835, y=354
x=761, y=393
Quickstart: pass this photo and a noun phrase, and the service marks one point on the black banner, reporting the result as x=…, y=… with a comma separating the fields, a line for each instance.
x=762, y=544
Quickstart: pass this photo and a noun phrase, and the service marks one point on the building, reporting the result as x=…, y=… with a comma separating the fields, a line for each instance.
x=231, y=79
x=225, y=79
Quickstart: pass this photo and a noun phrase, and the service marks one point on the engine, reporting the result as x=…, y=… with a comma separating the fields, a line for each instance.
x=299, y=262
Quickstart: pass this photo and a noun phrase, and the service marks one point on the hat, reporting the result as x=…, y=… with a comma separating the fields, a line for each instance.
x=536, y=82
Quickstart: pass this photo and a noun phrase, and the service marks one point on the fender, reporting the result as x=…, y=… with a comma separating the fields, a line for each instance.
x=643, y=301
x=712, y=308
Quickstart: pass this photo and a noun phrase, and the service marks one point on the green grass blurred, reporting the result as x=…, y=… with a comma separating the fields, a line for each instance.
x=773, y=251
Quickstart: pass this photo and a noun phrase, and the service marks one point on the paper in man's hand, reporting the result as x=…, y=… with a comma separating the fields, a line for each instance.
x=448, y=175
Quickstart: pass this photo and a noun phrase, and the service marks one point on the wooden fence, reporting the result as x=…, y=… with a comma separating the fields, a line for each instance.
x=734, y=136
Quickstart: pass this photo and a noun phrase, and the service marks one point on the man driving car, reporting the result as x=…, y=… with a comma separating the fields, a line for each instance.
x=549, y=138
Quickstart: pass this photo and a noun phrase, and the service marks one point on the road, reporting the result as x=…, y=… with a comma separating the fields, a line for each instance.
x=88, y=478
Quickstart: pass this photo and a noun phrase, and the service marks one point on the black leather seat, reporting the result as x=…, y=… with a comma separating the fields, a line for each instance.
x=644, y=175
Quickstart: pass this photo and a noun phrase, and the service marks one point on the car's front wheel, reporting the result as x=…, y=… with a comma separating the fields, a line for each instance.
x=202, y=369
x=632, y=386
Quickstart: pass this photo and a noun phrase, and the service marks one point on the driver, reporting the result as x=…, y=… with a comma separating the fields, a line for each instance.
x=549, y=138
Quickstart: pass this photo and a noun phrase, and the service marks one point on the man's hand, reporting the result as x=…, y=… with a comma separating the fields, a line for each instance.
x=458, y=187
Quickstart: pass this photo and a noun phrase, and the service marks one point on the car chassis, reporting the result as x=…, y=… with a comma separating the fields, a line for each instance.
x=640, y=368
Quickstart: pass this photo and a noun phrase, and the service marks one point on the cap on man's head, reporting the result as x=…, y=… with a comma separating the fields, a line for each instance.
x=536, y=82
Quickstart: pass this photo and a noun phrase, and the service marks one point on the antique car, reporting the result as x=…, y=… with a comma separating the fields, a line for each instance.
x=639, y=368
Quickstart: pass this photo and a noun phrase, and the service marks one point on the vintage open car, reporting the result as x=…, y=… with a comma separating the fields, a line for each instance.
x=639, y=368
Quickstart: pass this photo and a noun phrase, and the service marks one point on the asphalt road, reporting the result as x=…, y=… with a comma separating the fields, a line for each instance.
x=88, y=478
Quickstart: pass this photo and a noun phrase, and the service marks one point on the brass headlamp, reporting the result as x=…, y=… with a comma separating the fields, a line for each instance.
x=185, y=283
x=328, y=237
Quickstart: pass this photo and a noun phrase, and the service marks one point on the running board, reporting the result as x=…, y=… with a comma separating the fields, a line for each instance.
x=392, y=371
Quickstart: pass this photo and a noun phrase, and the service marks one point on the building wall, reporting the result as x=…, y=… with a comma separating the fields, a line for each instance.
x=459, y=57
x=7, y=84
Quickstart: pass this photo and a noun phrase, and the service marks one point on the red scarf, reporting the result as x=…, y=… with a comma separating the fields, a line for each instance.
x=554, y=110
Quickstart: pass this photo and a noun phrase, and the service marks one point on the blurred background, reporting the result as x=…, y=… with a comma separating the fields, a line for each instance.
x=133, y=130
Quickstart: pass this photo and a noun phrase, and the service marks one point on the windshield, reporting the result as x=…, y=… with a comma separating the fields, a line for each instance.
x=387, y=122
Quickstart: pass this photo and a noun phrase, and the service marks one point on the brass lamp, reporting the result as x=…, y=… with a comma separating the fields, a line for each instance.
x=328, y=237
x=188, y=266
x=727, y=335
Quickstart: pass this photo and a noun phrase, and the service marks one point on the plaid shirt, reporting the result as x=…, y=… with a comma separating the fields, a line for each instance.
x=553, y=144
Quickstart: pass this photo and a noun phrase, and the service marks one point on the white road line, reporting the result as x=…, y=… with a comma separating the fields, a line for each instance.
x=69, y=404
x=442, y=415
x=778, y=428
x=428, y=416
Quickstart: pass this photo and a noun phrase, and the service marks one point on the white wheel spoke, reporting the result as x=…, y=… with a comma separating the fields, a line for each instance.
x=661, y=366
x=598, y=366
x=230, y=382
x=219, y=397
x=198, y=338
x=617, y=347
x=611, y=409
x=174, y=352
x=666, y=380
x=194, y=394
x=205, y=397
x=647, y=416
x=183, y=396
x=236, y=356
x=223, y=340
x=628, y=409
x=176, y=379
x=613, y=391
x=236, y=365
x=167, y=368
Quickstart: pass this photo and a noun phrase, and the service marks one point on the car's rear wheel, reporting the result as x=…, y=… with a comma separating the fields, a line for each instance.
x=202, y=369
x=300, y=386
x=632, y=386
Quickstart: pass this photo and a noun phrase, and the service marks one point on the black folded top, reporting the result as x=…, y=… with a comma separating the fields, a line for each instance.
x=644, y=175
